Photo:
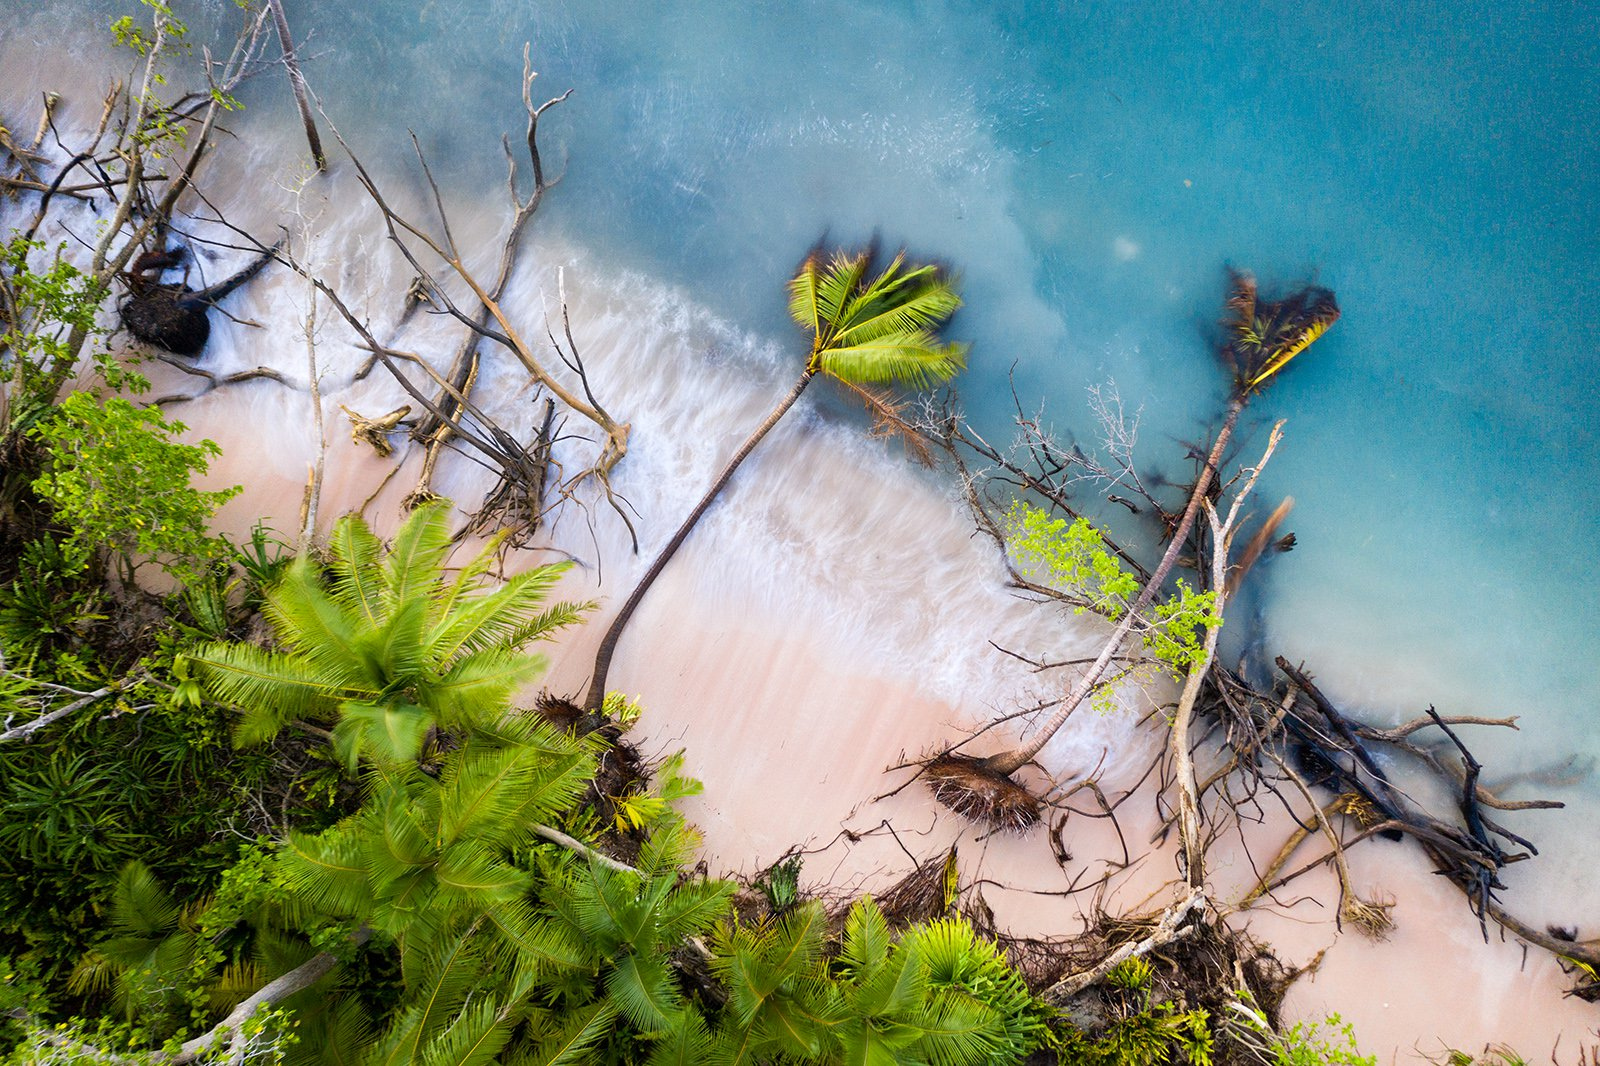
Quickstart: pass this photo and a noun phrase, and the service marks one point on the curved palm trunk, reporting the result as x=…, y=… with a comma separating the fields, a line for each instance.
x=1007, y=762
x=608, y=644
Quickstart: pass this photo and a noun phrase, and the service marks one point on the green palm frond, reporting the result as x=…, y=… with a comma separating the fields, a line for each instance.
x=689, y=1044
x=310, y=625
x=440, y=979
x=584, y=1028
x=914, y=357
x=413, y=567
x=386, y=733
x=544, y=944
x=327, y=871
x=547, y=622
x=693, y=908
x=477, y=1035
x=672, y=844
x=494, y=795
x=644, y=992
x=397, y=1045
x=596, y=902
x=867, y=940
x=354, y=556
x=820, y=292
x=803, y=306
x=961, y=1030
x=777, y=991
x=495, y=618
x=923, y=306
x=237, y=981
x=396, y=653
x=878, y=330
x=481, y=682
x=273, y=689
x=140, y=906
x=486, y=879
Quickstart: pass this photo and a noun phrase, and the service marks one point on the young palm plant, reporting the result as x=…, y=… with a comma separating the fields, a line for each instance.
x=428, y=869
x=1263, y=336
x=385, y=645
x=865, y=329
x=145, y=964
x=621, y=928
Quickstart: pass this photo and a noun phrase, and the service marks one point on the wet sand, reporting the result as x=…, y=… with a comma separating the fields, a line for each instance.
x=829, y=619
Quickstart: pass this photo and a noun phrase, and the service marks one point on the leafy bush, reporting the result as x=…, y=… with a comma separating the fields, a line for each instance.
x=1073, y=558
x=118, y=479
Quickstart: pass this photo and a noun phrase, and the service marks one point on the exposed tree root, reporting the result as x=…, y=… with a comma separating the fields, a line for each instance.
x=974, y=790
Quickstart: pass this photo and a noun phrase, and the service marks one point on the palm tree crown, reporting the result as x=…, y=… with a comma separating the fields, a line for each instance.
x=386, y=644
x=878, y=330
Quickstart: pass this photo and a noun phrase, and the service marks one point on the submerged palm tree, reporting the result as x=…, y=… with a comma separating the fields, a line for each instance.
x=1263, y=336
x=865, y=329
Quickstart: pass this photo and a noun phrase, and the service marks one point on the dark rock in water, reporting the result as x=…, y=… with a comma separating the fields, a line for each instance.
x=169, y=317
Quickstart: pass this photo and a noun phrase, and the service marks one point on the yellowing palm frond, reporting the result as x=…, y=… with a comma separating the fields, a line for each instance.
x=1264, y=335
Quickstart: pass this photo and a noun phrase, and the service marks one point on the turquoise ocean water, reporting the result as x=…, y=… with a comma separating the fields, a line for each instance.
x=1090, y=168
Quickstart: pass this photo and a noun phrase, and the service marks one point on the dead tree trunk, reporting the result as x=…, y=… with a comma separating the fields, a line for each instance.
x=298, y=82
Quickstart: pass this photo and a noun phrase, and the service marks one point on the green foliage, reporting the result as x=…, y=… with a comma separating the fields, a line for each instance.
x=781, y=884
x=147, y=960
x=1155, y=1036
x=90, y=794
x=877, y=329
x=1072, y=557
x=50, y=606
x=40, y=307
x=1328, y=1043
x=621, y=927
x=622, y=710
x=119, y=481
x=1131, y=974
x=1176, y=639
x=645, y=808
x=385, y=645
x=1331, y=1042
x=938, y=994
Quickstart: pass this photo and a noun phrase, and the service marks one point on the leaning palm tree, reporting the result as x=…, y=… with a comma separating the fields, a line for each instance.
x=865, y=329
x=385, y=646
x=1263, y=336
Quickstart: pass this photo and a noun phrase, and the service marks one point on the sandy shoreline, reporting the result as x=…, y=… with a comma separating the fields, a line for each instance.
x=794, y=669
x=790, y=719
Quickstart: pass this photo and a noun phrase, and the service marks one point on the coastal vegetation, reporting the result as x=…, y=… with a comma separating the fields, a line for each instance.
x=287, y=802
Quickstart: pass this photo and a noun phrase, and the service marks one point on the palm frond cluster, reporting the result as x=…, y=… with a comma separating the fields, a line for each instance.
x=1264, y=335
x=385, y=645
x=868, y=328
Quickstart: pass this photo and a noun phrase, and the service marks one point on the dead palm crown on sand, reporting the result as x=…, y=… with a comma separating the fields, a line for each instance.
x=867, y=328
x=1263, y=336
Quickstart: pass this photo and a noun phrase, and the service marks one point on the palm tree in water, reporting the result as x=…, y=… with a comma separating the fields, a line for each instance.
x=1263, y=336
x=866, y=329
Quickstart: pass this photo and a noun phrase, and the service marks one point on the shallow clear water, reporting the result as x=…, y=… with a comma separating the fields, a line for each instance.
x=1090, y=167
